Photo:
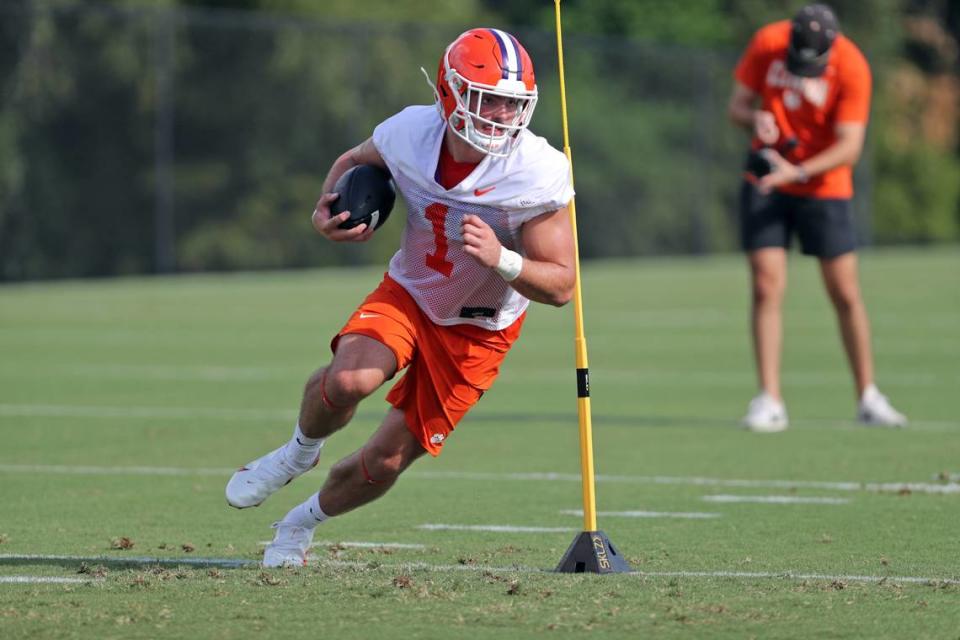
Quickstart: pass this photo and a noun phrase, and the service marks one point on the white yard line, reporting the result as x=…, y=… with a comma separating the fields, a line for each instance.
x=359, y=545
x=691, y=515
x=42, y=580
x=498, y=528
x=733, y=575
x=948, y=488
x=113, y=471
x=28, y=558
x=793, y=575
x=189, y=413
x=414, y=566
x=876, y=487
x=776, y=499
x=153, y=372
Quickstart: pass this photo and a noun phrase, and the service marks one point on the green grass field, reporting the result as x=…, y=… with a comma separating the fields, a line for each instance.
x=125, y=404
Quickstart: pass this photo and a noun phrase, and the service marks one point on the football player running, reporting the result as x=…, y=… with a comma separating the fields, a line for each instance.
x=487, y=231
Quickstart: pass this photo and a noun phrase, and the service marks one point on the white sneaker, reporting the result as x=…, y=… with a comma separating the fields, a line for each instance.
x=289, y=546
x=875, y=410
x=765, y=415
x=258, y=480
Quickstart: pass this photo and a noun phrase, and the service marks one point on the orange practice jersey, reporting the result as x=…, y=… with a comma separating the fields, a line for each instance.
x=808, y=109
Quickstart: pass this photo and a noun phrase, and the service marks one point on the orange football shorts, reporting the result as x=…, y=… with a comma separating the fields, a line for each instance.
x=448, y=367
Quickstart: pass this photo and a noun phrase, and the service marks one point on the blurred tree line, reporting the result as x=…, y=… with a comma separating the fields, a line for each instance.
x=145, y=136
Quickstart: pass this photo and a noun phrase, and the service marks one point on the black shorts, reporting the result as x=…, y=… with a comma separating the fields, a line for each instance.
x=825, y=226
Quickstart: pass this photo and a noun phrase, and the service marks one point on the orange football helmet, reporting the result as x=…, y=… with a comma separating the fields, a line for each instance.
x=486, y=90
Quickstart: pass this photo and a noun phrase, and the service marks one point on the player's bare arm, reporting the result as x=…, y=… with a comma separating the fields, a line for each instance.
x=547, y=274
x=327, y=225
x=845, y=151
x=742, y=111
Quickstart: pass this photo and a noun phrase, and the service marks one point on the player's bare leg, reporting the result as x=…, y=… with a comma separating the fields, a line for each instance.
x=361, y=477
x=841, y=281
x=332, y=393
x=330, y=398
x=768, y=275
x=367, y=474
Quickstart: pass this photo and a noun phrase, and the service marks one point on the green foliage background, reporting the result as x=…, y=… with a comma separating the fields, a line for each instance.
x=264, y=94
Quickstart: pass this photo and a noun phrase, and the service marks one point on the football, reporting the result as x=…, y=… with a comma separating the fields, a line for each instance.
x=367, y=192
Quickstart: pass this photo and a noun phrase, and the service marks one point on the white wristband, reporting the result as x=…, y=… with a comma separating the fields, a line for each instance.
x=510, y=265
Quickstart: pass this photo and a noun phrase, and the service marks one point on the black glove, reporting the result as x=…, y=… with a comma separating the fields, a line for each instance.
x=757, y=163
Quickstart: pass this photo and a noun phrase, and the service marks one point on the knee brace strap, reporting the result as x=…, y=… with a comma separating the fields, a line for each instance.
x=325, y=398
x=366, y=474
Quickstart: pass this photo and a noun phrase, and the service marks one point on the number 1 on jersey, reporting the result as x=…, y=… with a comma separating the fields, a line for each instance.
x=436, y=213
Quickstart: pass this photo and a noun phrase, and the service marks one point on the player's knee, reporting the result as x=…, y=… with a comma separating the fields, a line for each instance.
x=768, y=288
x=346, y=388
x=844, y=300
x=384, y=464
x=314, y=381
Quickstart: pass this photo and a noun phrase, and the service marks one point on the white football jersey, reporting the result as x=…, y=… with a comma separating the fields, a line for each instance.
x=449, y=285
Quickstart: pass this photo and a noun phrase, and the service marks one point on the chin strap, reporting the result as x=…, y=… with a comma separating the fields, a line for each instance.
x=436, y=94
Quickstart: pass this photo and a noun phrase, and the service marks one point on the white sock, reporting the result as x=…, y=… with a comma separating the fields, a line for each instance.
x=301, y=451
x=308, y=514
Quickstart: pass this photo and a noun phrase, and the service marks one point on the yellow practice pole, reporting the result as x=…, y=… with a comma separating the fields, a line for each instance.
x=583, y=374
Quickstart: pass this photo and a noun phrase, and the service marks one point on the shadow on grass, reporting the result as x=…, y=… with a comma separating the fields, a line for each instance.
x=625, y=420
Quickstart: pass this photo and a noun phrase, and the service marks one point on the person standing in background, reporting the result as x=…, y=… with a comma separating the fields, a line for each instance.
x=803, y=90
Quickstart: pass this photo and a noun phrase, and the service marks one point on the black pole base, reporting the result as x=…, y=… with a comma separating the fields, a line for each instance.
x=592, y=552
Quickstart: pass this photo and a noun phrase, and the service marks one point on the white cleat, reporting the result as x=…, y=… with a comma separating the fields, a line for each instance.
x=289, y=547
x=875, y=410
x=765, y=415
x=255, y=482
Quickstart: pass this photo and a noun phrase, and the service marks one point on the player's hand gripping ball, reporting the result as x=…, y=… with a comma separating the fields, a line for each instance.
x=367, y=193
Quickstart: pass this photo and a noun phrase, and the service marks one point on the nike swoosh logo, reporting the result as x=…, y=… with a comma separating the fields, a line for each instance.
x=480, y=192
x=364, y=316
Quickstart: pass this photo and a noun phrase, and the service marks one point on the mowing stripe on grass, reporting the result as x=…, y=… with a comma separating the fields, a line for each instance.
x=776, y=499
x=691, y=515
x=290, y=415
x=826, y=378
x=230, y=563
x=947, y=488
